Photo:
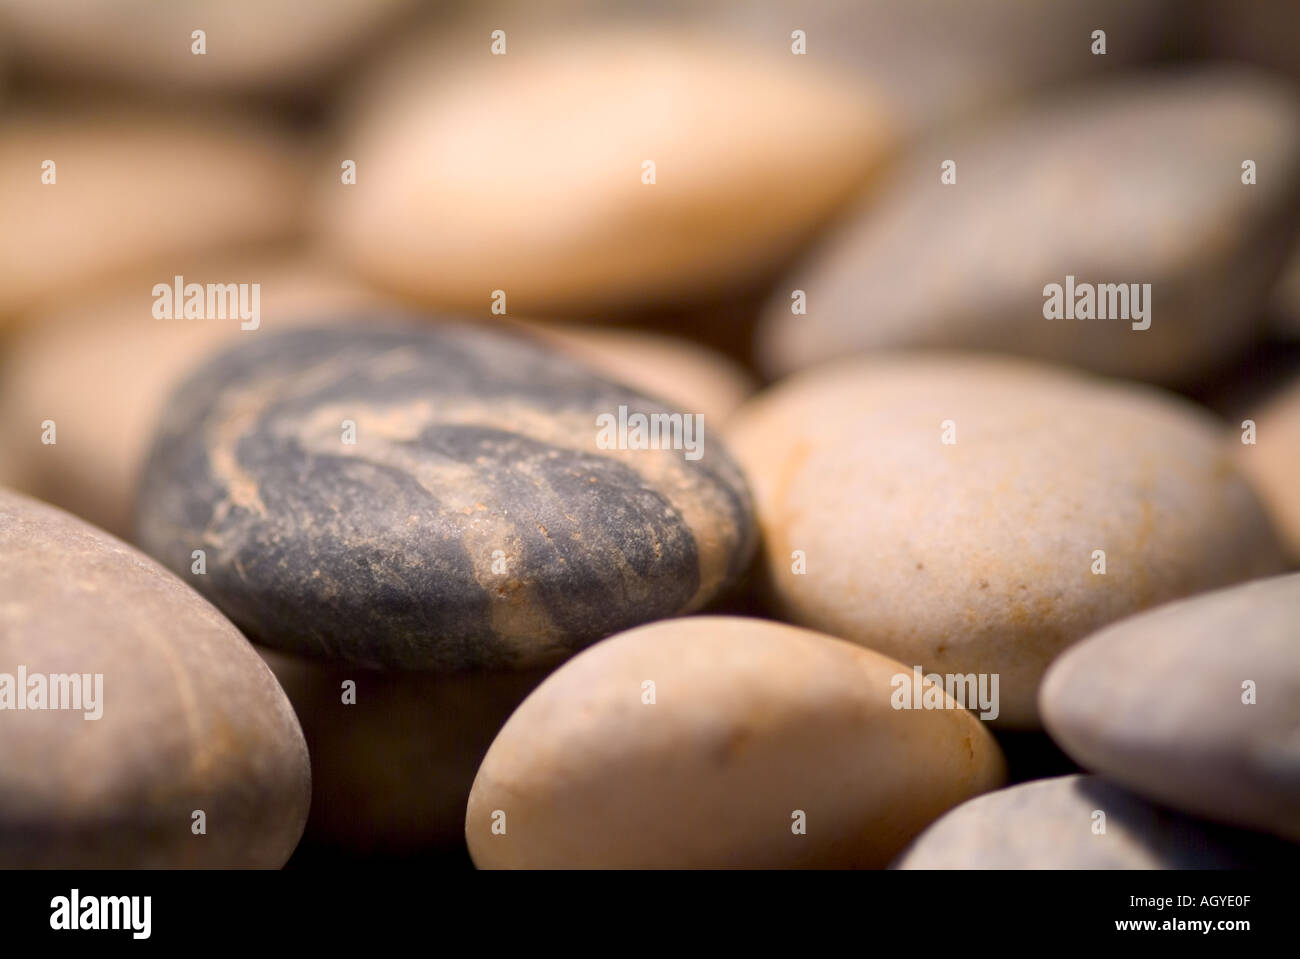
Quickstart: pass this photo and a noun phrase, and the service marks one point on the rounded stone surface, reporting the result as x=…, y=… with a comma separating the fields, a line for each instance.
x=1054, y=824
x=250, y=45
x=527, y=173
x=184, y=717
x=756, y=731
x=131, y=188
x=434, y=496
x=980, y=554
x=1135, y=182
x=947, y=60
x=687, y=375
x=102, y=366
x=1195, y=705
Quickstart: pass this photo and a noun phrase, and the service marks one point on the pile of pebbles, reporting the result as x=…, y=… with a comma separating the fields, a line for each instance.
x=644, y=443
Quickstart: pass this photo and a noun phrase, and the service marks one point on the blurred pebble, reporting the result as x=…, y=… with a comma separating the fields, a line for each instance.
x=1053, y=824
x=1273, y=462
x=131, y=188
x=979, y=554
x=526, y=173
x=1196, y=704
x=472, y=520
x=102, y=367
x=392, y=769
x=249, y=45
x=751, y=724
x=930, y=62
x=1137, y=182
x=190, y=718
x=684, y=374
x=942, y=60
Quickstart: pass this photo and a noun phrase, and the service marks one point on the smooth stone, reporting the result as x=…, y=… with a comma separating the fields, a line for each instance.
x=102, y=367
x=391, y=771
x=942, y=61
x=1273, y=462
x=1134, y=181
x=251, y=46
x=1049, y=823
x=190, y=719
x=752, y=722
x=979, y=555
x=686, y=375
x=523, y=172
x=931, y=63
x=475, y=522
x=134, y=188
x=1158, y=703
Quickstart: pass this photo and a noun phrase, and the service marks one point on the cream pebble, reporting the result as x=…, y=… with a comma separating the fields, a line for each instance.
x=975, y=514
x=92, y=190
x=595, y=169
x=721, y=742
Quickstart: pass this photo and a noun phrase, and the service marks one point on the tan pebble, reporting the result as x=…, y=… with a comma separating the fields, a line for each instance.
x=102, y=367
x=189, y=719
x=691, y=377
x=131, y=188
x=980, y=554
x=525, y=172
x=287, y=45
x=765, y=745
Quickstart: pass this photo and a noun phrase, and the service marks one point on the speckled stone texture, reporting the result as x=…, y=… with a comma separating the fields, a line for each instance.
x=978, y=556
x=474, y=522
x=190, y=719
x=1050, y=823
x=1160, y=703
